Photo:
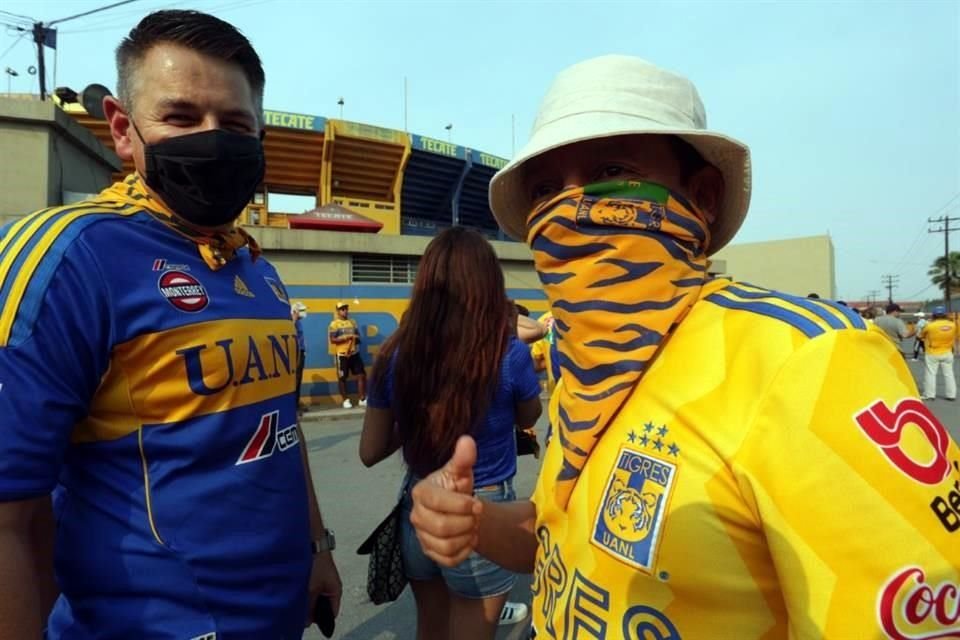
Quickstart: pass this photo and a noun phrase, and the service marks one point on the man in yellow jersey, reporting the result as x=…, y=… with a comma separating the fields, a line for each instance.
x=729, y=462
x=940, y=338
x=345, y=344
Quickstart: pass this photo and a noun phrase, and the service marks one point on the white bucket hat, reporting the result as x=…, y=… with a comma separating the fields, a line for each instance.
x=619, y=95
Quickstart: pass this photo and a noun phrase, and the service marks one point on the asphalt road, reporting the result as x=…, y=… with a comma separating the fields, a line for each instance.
x=354, y=500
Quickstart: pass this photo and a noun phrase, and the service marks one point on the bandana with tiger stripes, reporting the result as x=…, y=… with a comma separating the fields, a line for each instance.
x=622, y=263
x=216, y=248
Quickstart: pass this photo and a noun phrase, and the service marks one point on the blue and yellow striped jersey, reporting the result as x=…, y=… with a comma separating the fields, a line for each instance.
x=773, y=475
x=155, y=398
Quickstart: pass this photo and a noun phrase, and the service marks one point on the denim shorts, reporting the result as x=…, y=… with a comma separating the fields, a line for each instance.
x=474, y=578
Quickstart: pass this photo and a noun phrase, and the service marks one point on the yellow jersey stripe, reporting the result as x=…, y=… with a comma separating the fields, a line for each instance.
x=38, y=235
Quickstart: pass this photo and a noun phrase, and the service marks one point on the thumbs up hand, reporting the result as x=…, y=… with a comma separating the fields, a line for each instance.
x=445, y=512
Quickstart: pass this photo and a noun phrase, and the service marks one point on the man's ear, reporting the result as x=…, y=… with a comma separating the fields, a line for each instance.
x=706, y=188
x=120, y=128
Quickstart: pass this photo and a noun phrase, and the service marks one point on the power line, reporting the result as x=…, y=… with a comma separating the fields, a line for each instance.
x=945, y=229
x=92, y=11
x=15, y=43
x=122, y=17
x=911, y=248
x=947, y=205
x=16, y=16
x=924, y=290
x=113, y=23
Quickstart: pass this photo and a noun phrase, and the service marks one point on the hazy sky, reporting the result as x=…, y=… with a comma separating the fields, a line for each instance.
x=851, y=109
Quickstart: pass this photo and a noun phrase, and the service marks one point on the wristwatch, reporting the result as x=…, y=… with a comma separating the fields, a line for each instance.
x=327, y=542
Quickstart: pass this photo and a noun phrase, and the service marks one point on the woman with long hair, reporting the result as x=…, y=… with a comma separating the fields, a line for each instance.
x=454, y=367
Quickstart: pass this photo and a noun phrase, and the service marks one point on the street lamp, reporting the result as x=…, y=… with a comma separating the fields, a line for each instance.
x=11, y=74
x=449, y=129
x=340, y=102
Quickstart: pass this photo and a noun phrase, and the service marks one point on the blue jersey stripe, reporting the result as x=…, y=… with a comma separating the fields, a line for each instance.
x=803, y=324
x=852, y=316
x=812, y=306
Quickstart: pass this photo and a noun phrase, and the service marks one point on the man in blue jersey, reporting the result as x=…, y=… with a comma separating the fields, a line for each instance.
x=148, y=366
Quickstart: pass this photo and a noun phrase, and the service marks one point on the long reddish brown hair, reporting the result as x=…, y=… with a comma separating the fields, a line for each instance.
x=448, y=347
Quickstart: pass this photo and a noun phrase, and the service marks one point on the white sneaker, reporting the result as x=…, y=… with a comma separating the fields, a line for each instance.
x=347, y=404
x=363, y=402
x=512, y=613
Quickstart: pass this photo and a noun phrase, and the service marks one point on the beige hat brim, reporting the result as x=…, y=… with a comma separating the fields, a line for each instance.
x=510, y=205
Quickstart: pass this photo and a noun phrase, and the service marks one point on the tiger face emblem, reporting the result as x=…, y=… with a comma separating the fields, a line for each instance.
x=629, y=513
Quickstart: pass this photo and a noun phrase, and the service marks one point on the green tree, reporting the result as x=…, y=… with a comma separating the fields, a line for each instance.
x=938, y=272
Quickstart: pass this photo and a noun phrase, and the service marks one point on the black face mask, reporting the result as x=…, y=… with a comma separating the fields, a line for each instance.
x=206, y=178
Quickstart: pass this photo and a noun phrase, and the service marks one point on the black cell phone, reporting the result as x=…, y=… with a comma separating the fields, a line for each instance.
x=323, y=616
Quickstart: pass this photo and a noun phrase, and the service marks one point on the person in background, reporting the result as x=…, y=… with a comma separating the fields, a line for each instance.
x=544, y=352
x=345, y=343
x=454, y=366
x=940, y=337
x=137, y=383
x=298, y=311
x=728, y=461
x=918, y=346
x=528, y=329
x=893, y=326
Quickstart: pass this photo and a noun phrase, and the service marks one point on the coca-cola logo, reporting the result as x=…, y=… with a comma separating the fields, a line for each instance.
x=885, y=428
x=912, y=609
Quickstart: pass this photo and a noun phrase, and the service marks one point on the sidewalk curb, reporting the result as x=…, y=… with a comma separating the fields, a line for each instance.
x=336, y=413
x=331, y=415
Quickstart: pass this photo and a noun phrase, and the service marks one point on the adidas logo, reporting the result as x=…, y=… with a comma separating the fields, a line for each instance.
x=240, y=288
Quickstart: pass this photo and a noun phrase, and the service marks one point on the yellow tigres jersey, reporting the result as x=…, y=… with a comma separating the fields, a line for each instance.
x=340, y=328
x=940, y=337
x=772, y=476
x=543, y=350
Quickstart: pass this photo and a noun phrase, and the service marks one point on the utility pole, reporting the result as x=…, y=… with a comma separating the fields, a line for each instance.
x=945, y=229
x=872, y=297
x=44, y=36
x=889, y=282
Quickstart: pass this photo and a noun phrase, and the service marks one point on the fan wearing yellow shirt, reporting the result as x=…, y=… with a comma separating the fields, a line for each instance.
x=728, y=461
x=345, y=344
x=543, y=352
x=940, y=338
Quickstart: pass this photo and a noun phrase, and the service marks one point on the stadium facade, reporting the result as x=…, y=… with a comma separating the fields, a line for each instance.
x=402, y=188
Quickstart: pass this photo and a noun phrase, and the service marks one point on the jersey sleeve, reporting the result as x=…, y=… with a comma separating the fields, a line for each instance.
x=856, y=486
x=50, y=365
x=524, y=379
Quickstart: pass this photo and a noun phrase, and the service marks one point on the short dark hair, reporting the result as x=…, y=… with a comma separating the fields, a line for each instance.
x=893, y=306
x=194, y=30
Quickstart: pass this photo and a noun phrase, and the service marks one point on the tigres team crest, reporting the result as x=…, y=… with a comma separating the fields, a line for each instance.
x=630, y=516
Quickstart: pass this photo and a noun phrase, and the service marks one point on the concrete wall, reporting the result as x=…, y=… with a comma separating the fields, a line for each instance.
x=796, y=266
x=45, y=152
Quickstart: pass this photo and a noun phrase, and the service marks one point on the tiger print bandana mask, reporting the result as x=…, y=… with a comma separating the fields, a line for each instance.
x=622, y=263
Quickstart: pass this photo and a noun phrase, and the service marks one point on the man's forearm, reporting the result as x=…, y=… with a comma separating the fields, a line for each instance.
x=21, y=601
x=43, y=536
x=507, y=534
